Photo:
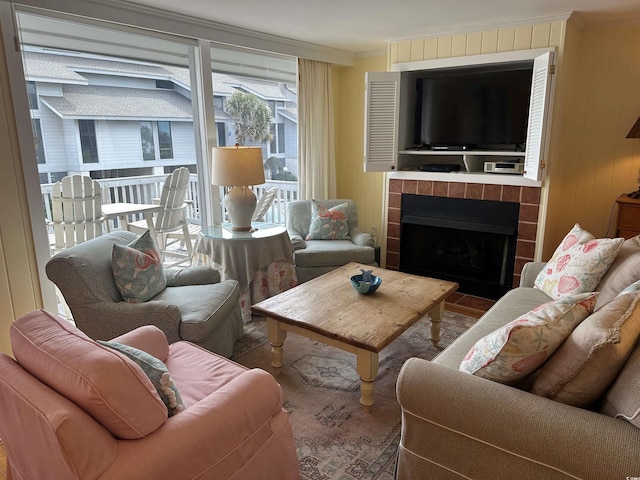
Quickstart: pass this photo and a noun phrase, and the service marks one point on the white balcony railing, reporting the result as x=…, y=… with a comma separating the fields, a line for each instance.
x=144, y=189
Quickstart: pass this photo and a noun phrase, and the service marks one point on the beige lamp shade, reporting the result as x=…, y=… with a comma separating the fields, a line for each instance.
x=237, y=166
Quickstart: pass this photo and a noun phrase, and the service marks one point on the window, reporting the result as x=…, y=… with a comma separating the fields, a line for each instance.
x=164, y=140
x=88, y=141
x=33, y=95
x=277, y=142
x=146, y=138
x=165, y=84
x=220, y=133
x=37, y=140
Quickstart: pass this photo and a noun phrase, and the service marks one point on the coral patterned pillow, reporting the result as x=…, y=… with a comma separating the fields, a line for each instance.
x=328, y=224
x=137, y=269
x=519, y=348
x=578, y=264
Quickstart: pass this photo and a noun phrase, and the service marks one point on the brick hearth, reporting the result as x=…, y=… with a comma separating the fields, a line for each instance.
x=527, y=197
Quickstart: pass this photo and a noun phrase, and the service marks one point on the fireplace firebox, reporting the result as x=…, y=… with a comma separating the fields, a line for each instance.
x=471, y=242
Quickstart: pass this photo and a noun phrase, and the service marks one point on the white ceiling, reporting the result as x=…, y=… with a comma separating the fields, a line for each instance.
x=364, y=26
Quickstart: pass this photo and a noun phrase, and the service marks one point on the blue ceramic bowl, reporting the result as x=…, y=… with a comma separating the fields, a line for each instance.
x=365, y=288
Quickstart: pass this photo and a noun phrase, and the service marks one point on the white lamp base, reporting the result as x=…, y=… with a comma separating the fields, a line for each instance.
x=241, y=204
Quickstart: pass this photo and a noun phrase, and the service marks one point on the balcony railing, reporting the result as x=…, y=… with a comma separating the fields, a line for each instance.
x=144, y=189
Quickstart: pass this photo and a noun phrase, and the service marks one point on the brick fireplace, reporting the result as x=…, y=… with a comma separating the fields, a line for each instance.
x=528, y=199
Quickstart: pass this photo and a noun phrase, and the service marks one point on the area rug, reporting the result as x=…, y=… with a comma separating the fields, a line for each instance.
x=334, y=438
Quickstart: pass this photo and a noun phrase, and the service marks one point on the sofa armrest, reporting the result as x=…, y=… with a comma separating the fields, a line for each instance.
x=198, y=275
x=149, y=339
x=297, y=240
x=529, y=273
x=453, y=421
x=361, y=238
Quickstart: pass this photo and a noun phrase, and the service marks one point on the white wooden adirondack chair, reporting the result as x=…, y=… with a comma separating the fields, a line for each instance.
x=172, y=217
x=76, y=210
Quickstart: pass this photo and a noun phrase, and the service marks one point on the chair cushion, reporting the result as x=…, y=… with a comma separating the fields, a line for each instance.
x=328, y=223
x=107, y=385
x=578, y=263
x=512, y=352
x=589, y=360
x=319, y=253
x=137, y=269
x=156, y=371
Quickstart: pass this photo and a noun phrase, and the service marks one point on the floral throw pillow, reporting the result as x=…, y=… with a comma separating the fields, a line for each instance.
x=156, y=371
x=519, y=348
x=578, y=264
x=328, y=224
x=137, y=269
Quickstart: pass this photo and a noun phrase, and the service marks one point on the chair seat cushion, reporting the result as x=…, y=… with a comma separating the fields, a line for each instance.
x=202, y=307
x=320, y=253
x=107, y=385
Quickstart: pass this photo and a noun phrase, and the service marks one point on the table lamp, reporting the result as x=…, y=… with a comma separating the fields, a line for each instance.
x=238, y=167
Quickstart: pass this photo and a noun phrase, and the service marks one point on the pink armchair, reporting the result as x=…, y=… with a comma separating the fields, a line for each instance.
x=76, y=409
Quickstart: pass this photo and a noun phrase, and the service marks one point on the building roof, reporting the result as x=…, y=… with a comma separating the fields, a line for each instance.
x=101, y=102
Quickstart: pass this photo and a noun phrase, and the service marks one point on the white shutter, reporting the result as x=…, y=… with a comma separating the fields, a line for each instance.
x=381, y=115
x=538, y=108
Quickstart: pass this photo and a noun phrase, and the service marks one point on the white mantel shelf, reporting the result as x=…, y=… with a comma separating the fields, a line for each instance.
x=466, y=177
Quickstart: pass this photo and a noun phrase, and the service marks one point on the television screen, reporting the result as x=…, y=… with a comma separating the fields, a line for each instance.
x=479, y=110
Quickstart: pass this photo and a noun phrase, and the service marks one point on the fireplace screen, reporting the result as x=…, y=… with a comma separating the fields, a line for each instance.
x=471, y=242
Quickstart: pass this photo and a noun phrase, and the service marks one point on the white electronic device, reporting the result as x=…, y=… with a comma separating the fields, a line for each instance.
x=504, y=167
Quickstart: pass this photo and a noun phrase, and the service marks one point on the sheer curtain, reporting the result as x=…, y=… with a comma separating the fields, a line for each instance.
x=317, y=173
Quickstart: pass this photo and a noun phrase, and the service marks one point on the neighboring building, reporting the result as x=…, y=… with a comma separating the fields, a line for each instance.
x=112, y=117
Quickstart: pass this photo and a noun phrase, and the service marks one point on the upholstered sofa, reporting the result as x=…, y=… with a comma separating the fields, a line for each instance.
x=195, y=305
x=314, y=257
x=76, y=409
x=459, y=425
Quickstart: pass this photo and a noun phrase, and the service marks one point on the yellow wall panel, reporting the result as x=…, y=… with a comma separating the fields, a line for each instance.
x=556, y=34
x=506, y=39
x=541, y=35
x=523, y=38
x=474, y=43
x=459, y=45
x=490, y=41
x=404, y=52
x=431, y=49
x=393, y=53
x=417, y=50
x=444, y=46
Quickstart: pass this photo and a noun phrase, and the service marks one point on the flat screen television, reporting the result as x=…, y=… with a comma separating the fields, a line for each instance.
x=473, y=110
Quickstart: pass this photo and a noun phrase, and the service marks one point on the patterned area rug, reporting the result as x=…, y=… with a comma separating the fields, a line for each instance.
x=334, y=438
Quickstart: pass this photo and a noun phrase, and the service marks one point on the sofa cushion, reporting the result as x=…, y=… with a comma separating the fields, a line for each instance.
x=520, y=347
x=156, y=371
x=328, y=223
x=137, y=269
x=622, y=400
x=107, y=385
x=623, y=272
x=578, y=264
x=584, y=366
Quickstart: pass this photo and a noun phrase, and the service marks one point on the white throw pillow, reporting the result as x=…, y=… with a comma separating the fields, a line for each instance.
x=519, y=348
x=578, y=264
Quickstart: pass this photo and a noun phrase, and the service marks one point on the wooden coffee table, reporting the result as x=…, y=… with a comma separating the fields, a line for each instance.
x=329, y=310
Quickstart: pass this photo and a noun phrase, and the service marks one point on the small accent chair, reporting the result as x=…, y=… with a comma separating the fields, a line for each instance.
x=317, y=257
x=74, y=409
x=76, y=211
x=172, y=218
x=195, y=306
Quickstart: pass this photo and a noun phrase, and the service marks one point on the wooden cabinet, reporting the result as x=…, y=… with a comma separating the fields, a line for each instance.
x=628, y=217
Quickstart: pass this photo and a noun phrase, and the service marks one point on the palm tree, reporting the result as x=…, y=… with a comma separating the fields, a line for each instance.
x=251, y=117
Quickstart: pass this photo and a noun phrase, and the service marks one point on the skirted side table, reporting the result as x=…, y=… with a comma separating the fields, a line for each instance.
x=261, y=260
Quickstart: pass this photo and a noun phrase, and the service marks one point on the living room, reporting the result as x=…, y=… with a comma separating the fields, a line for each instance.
x=589, y=162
